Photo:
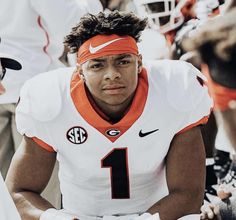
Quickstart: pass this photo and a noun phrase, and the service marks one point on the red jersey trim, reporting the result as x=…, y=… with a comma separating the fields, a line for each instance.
x=200, y=122
x=47, y=36
x=43, y=144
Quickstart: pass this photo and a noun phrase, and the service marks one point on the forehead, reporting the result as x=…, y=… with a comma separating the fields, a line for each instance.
x=112, y=57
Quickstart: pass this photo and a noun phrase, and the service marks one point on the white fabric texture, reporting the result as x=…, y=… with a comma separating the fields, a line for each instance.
x=190, y=217
x=54, y=214
x=144, y=216
x=8, y=209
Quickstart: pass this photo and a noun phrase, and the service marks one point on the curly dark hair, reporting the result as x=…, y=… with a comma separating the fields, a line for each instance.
x=216, y=43
x=120, y=23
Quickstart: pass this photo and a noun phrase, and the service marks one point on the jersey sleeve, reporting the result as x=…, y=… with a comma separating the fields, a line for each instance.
x=192, y=99
x=40, y=102
x=27, y=125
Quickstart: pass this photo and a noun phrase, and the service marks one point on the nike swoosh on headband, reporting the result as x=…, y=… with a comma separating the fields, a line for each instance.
x=93, y=50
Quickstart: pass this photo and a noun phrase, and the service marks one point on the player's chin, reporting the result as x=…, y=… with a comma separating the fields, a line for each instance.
x=115, y=99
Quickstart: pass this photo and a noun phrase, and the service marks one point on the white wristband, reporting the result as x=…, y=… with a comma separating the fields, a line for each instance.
x=155, y=216
x=148, y=216
x=54, y=214
x=190, y=217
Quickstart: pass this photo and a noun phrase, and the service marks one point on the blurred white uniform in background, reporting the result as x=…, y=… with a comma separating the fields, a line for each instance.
x=33, y=31
x=8, y=209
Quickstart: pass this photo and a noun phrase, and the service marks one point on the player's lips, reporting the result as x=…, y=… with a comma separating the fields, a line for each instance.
x=113, y=89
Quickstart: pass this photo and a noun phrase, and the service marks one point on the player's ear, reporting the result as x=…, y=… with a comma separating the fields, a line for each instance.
x=140, y=63
x=79, y=71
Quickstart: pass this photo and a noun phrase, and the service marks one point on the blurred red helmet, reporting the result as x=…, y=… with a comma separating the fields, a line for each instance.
x=165, y=15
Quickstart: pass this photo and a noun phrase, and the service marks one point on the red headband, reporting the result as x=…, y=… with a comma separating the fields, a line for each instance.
x=220, y=94
x=102, y=45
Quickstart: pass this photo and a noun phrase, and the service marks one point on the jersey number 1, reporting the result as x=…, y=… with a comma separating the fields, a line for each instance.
x=117, y=161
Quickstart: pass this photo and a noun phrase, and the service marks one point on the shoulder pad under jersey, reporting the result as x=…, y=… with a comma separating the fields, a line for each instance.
x=183, y=84
x=41, y=96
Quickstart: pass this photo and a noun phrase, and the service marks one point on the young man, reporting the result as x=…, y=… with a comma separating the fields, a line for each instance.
x=126, y=136
x=7, y=207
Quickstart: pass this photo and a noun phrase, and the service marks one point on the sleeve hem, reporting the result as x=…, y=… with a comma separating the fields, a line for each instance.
x=43, y=144
x=199, y=122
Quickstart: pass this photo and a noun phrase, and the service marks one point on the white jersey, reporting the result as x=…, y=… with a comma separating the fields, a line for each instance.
x=107, y=169
x=8, y=209
x=33, y=31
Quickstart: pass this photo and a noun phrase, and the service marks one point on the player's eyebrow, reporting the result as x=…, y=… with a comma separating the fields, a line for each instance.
x=122, y=56
x=103, y=59
x=98, y=59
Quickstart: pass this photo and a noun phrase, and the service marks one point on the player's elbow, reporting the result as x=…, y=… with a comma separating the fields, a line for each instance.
x=190, y=200
x=193, y=200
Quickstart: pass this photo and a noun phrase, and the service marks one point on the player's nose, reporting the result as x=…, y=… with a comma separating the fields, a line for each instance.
x=112, y=73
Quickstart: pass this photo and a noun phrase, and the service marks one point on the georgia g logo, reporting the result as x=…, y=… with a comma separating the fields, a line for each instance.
x=77, y=135
x=113, y=132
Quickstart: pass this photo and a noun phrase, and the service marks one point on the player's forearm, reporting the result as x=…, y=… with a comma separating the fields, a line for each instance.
x=177, y=204
x=30, y=205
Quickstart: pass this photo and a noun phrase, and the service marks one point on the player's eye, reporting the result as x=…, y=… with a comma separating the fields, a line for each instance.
x=96, y=66
x=123, y=62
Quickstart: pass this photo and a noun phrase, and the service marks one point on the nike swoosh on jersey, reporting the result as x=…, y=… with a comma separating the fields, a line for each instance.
x=143, y=134
x=93, y=50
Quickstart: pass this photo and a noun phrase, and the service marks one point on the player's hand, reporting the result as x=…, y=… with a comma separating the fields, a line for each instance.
x=210, y=211
x=224, y=191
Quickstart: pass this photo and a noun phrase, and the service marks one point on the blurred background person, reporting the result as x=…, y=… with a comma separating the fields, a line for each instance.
x=7, y=207
x=7, y=61
x=215, y=42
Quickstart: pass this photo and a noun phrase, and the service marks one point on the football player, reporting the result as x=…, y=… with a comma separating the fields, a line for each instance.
x=168, y=16
x=125, y=133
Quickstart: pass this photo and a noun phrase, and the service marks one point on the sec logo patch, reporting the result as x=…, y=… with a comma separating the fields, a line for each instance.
x=77, y=135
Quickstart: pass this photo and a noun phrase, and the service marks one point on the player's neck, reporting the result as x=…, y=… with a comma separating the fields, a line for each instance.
x=113, y=113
